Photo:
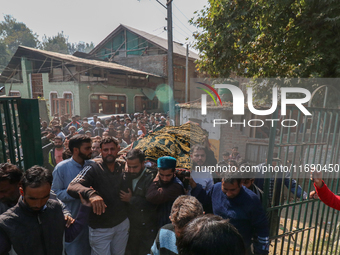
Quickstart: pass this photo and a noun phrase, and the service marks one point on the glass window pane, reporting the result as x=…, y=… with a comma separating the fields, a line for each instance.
x=108, y=107
x=95, y=97
x=93, y=107
x=101, y=97
x=121, y=98
x=113, y=97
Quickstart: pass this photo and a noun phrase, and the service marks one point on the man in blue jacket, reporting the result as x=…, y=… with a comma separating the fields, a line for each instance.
x=230, y=200
x=63, y=174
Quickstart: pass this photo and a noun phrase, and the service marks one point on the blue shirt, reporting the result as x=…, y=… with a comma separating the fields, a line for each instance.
x=244, y=211
x=63, y=174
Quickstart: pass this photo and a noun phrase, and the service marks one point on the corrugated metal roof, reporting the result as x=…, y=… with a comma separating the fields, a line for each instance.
x=77, y=60
x=69, y=59
x=159, y=41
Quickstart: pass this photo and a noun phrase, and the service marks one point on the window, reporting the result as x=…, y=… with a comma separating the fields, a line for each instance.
x=61, y=106
x=143, y=103
x=108, y=104
x=54, y=103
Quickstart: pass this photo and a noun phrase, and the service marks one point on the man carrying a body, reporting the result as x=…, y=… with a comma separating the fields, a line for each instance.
x=142, y=213
x=100, y=183
x=230, y=200
x=199, y=171
x=165, y=188
x=63, y=174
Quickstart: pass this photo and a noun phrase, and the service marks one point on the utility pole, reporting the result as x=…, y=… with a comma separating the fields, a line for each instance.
x=170, y=61
x=170, y=58
x=186, y=74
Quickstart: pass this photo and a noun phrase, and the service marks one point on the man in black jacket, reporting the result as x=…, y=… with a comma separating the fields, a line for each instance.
x=100, y=183
x=36, y=225
x=142, y=214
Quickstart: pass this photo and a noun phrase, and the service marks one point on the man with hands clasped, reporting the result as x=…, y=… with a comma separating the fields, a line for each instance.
x=141, y=213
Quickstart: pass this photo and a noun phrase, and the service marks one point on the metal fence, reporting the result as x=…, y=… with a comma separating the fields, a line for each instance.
x=299, y=225
x=20, y=132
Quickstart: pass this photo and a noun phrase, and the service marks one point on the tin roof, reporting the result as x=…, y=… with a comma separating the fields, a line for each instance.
x=69, y=59
x=159, y=41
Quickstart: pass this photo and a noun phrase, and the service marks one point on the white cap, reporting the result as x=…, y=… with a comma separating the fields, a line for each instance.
x=140, y=132
x=98, y=122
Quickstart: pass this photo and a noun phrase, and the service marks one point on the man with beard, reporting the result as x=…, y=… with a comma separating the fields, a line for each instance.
x=63, y=174
x=10, y=182
x=230, y=200
x=36, y=224
x=111, y=130
x=57, y=131
x=95, y=148
x=100, y=183
x=55, y=154
x=165, y=188
x=141, y=213
x=200, y=173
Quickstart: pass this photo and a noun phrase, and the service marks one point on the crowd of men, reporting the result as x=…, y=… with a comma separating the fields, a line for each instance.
x=89, y=200
x=125, y=128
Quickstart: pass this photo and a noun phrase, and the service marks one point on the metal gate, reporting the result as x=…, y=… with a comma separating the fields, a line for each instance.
x=20, y=139
x=300, y=226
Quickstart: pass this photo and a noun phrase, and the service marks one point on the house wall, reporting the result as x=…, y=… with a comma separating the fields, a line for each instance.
x=86, y=91
x=24, y=87
x=135, y=45
x=60, y=88
x=21, y=87
x=151, y=64
x=80, y=91
x=158, y=65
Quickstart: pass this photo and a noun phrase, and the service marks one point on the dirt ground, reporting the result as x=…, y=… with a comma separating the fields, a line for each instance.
x=299, y=229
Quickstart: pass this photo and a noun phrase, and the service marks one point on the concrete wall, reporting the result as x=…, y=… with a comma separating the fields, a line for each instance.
x=24, y=87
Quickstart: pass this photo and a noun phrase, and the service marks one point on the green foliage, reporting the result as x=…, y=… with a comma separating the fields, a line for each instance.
x=13, y=34
x=57, y=43
x=81, y=46
x=275, y=38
